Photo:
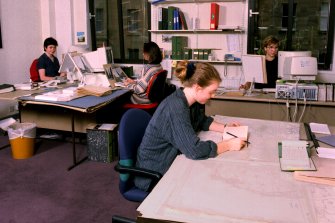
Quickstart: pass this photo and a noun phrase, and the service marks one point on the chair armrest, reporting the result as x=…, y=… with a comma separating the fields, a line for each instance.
x=140, y=172
x=120, y=219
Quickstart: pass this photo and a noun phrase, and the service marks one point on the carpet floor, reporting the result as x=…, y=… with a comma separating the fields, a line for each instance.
x=41, y=189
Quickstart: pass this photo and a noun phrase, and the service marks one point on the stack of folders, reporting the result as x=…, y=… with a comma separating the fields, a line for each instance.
x=94, y=90
x=324, y=151
x=294, y=155
x=324, y=175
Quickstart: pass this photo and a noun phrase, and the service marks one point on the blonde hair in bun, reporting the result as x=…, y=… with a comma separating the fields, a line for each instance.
x=190, y=73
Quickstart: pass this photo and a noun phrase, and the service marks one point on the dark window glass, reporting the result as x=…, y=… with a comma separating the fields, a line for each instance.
x=123, y=25
x=311, y=22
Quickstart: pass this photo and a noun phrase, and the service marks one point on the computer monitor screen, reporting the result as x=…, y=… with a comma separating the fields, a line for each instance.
x=98, y=58
x=254, y=68
x=68, y=65
x=74, y=65
x=282, y=55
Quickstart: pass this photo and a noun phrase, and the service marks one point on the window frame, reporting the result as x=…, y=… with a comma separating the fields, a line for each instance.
x=121, y=31
x=253, y=5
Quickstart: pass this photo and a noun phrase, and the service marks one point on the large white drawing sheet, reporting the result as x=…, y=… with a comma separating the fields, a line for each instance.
x=228, y=191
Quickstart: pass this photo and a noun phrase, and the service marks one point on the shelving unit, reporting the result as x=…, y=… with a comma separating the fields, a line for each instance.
x=227, y=40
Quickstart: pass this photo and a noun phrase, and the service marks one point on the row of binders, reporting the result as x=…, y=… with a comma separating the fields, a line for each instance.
x=171, y=18
x=326, y=92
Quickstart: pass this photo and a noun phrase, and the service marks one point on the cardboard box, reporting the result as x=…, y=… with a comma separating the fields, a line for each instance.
x=102, y=143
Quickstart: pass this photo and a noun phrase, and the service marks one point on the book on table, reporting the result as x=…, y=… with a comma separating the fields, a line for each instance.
x=295, y=155
x=5, y=88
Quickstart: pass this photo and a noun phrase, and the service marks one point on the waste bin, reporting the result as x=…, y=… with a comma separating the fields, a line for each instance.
x=22, y=139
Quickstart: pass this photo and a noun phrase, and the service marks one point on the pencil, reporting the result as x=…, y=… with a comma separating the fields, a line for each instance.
x=237, y=137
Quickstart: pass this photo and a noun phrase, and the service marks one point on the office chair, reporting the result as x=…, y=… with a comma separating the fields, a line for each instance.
x=131, y=130
x=155, y=93
x=34, y=75
x=120, y=219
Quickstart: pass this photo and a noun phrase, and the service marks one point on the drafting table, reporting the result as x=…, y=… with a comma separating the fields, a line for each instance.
x=73, y=116
x=239, y=186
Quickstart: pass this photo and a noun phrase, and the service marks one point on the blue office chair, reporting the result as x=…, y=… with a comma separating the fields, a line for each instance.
x=131, y=130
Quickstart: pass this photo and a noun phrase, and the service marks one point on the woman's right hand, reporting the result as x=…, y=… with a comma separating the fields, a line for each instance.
x=128, y=81
x=234, y=144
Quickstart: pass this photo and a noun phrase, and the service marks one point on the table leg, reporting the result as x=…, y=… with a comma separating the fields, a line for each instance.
x=74, y=155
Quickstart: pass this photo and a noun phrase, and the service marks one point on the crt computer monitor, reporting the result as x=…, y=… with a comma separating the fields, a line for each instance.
x=283, y=55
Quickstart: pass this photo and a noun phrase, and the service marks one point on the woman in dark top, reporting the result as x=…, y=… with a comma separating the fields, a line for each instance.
x=48, y=64
x=174, y=126
x=270, y=48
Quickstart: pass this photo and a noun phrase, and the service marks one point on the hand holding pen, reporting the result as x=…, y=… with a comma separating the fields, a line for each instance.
x=246, y=141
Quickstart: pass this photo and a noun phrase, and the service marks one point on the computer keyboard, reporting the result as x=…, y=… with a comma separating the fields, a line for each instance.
x=119, y=84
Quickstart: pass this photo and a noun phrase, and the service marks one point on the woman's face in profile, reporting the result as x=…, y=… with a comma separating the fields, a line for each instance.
x=203, y=94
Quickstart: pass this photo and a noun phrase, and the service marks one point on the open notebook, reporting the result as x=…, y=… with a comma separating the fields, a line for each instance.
x=294, y=155
x=235, y=132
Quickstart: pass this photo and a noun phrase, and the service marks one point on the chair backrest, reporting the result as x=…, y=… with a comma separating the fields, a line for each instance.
x=156, y=87
x=34, y=75
x=131, y=131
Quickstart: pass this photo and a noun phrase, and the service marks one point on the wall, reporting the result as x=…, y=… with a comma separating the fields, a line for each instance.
x=21, y=38
x=24, y=27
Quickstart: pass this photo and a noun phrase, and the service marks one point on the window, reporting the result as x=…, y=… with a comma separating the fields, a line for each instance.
x=121, y=24
x=285, y=16
x=298, y=24
x=99, y=20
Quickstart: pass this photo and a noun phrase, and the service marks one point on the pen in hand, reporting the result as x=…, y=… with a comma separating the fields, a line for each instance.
x=237, y=137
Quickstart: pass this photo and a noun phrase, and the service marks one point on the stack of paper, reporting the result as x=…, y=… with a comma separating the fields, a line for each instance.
x=324, y=174
x=319, y=128
x=326, y=152
x=94, y=90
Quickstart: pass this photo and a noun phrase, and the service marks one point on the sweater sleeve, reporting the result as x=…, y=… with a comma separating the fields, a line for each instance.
x=185, y=138
x=141, y=85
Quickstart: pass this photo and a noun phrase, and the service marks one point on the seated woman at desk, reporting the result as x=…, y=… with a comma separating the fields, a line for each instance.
x=173, y=128
x=48, y=64
x=270, y=47
x=152, y=54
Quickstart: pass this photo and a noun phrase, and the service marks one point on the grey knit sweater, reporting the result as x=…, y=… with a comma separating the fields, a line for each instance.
x=171, y=131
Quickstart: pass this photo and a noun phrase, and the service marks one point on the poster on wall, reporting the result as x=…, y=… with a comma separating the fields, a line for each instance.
x=80, y=38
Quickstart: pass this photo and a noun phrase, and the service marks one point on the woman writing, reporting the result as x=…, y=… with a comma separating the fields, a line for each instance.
x=174, y=126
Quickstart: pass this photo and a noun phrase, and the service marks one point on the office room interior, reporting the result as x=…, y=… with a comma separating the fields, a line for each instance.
x=25, y=25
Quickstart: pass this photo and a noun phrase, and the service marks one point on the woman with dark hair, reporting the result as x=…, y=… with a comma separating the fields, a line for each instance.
x=270, y=48
x=173, y=128
x=48, y=64
x=152, y=54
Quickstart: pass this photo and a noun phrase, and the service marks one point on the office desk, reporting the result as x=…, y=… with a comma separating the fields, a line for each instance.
x=266, y=106
x=73, y=116
x=239, y=186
